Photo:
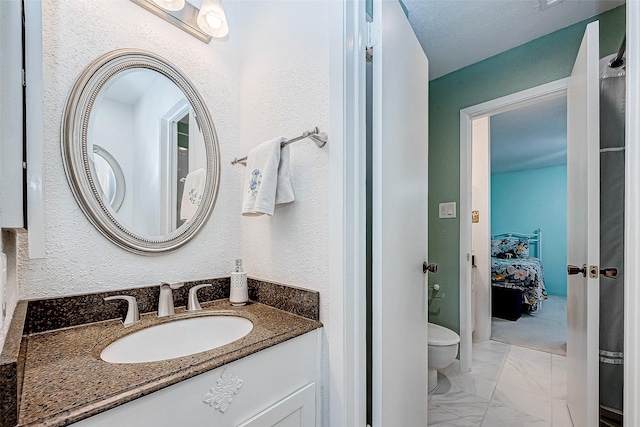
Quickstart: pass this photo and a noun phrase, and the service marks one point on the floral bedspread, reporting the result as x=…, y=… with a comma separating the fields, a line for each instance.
x=520, y=273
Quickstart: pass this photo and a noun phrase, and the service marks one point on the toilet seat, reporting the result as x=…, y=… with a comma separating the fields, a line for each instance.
x=439, y=335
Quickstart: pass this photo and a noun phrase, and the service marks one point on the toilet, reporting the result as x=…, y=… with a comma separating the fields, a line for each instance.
x=443, y=348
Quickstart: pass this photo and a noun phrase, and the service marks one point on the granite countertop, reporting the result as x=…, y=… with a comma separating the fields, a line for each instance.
x=66, y=381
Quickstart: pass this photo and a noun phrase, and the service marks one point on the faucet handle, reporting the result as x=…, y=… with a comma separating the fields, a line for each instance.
x=165, y=302
x=193, y=304
x=173, y=286
x=133, y=315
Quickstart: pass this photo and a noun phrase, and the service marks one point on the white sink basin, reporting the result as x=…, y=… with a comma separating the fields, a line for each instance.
x=176, y=339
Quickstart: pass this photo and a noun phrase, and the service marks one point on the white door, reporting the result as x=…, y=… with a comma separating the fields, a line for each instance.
x=400, y=149
x=583, y=232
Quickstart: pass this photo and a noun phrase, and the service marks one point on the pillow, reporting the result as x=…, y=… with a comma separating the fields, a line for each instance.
x=518, y=248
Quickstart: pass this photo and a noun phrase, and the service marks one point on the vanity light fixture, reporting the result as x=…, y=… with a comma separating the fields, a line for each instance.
x=203, y=22
x=212, y=20
x=172, y=5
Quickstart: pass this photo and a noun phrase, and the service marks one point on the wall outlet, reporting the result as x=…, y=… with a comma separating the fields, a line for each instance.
x=447, y=210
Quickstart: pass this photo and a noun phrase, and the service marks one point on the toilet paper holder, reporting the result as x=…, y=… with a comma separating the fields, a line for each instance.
x=436, y=288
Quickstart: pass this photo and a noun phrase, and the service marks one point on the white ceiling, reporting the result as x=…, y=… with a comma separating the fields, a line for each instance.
x=130, y=86
x=530, y=137
x=457, y=33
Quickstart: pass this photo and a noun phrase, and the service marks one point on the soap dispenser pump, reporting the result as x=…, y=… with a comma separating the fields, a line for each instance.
x=239, y=294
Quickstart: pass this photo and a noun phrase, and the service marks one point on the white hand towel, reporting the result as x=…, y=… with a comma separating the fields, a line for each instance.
x=284, y=191
x=192, y=193
x=261, y=178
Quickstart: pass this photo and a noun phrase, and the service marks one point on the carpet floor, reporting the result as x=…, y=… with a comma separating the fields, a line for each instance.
x=544, y=330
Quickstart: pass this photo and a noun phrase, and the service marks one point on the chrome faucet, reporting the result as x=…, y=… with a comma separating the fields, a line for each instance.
x=165, y=302
x=133, y=315
x=193, y=304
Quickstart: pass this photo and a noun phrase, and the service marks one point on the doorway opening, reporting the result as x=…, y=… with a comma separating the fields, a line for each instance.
x=519, y=227
x=475, y=238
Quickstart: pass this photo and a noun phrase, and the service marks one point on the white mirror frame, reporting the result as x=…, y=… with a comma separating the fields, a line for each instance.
x=76, y=158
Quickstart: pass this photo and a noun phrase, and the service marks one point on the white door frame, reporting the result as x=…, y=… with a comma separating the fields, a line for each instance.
x=495, y=106
x=631, y=395
x=344, y=383
x=169, y=162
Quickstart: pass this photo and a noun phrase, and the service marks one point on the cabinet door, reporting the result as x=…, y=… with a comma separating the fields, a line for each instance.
x=11, y=115
x=296, y=410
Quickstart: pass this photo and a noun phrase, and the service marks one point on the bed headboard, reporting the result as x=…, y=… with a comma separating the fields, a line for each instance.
x=534, y=239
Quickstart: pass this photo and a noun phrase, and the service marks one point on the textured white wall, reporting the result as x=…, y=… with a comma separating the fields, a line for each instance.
x=78, y=258
x=285, y=90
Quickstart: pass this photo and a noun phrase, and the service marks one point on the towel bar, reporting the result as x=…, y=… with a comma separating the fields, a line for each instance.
x=320, y=138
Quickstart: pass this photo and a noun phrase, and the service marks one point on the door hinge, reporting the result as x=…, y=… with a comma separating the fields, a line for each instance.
x=24, y=78
x=374, y=33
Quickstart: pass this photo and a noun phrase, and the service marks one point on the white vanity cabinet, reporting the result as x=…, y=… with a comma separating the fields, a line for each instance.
x=275, y=387
x=295, y=410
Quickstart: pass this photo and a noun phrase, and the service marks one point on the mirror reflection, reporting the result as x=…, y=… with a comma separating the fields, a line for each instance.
x=140, y=151
x=148, y=128
x=110, y=177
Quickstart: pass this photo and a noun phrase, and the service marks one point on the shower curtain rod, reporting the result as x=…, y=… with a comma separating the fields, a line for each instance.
x=618, y=61
x=320, y=138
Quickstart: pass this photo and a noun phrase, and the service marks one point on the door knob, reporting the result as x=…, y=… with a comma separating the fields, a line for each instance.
x=431, y=268
x=609, y=273
x=572, y=269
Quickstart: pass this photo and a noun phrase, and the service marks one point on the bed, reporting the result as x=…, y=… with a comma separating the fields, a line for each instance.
x=517, y=276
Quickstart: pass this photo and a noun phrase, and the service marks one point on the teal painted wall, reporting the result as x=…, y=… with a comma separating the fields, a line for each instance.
x=525, y=200
x=540, y=61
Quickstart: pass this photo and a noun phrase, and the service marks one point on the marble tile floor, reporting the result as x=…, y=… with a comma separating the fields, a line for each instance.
x=507, y=386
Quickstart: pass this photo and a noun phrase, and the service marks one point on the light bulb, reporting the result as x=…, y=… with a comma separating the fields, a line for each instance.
x=172, y=5
x=213, y=20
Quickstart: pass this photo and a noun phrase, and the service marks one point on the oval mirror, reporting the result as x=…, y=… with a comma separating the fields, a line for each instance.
x=140, y=151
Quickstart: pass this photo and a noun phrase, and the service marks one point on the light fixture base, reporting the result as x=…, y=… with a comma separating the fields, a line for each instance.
x=185, y=19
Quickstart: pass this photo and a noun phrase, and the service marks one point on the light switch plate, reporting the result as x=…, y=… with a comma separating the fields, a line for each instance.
x=447, y=210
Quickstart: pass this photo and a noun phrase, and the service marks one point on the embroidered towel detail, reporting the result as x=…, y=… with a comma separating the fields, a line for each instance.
x=192, y=193
x=261, y=178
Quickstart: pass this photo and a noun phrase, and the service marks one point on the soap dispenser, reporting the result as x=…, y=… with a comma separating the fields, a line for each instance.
x=239, y=294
